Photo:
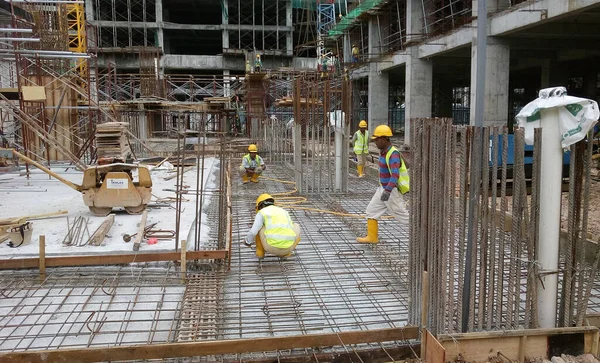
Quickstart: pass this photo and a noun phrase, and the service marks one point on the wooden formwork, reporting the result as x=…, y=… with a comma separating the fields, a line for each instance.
x=510, y=345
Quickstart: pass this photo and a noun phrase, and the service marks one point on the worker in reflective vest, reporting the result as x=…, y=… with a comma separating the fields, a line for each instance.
x=252, y=165
x=394, y=184
x=361, y=146
x=273, y=230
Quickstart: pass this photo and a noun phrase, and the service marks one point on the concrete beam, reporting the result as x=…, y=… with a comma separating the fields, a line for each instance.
x=529, y=14
x=175, y=26
x=389, y=62
x=440, y=45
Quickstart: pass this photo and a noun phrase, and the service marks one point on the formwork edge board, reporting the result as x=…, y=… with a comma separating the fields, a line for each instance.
x=94, y=260
x=203, y=348
x=480, y=346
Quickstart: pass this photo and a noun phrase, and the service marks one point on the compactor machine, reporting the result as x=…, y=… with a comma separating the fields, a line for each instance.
x=105, y=186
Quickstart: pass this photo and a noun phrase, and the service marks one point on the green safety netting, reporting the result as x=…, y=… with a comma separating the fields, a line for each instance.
x=350, y=20
x=311, y=4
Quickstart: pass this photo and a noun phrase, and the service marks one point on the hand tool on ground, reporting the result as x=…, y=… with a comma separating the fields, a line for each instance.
x=128, y=237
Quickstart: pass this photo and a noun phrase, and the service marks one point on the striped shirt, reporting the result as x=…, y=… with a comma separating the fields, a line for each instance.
x=389, y=177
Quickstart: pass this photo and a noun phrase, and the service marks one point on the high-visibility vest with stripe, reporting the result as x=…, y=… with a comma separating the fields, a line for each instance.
x=403, y=179
x=279, y=228
x=258, y=160
x=361, y=145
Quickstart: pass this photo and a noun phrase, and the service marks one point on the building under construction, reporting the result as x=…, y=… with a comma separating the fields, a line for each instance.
x=145, y=109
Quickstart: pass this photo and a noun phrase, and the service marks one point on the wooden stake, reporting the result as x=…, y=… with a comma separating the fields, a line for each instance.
x=140, y=232
x=42, y=258
x=183, y=261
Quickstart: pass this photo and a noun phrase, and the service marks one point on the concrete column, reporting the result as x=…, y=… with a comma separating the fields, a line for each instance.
x=289, y=39
x=495, y=112
x=418, y=90
x=545, y=78
x=347, y=49
x=225, y=21
x=89, y=10
x=415, y=23
x=159, y=31
x=226, y=84
x=378, y=107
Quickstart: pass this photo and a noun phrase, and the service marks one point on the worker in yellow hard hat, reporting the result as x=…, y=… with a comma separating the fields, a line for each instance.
x=273, y=230
x=360, y=140
x=355, y=52
x=257, y=64
x=394, y=184
x=252, y=165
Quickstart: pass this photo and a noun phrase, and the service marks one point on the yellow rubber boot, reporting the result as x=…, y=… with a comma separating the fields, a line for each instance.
x=245, y=179
x=360, y=170
x=260, y=250
x=372, y=232
x=254, y=178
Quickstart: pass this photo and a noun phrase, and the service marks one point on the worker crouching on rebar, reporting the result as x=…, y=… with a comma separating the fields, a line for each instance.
x=252, y=165
x=361, y=146
x=394, y=180
x=273, y=230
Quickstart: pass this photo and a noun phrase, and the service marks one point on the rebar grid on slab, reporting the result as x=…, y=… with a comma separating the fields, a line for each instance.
x=86, y=307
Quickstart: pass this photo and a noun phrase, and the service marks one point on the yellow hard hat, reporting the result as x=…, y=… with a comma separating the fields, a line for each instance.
x=263, y=197
x=258, y=55
x=252, y=148
x=382, y=130
x=362, y=123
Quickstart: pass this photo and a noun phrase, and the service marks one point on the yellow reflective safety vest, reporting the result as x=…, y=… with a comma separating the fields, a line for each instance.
x=258, y=161
x=361, y=144
x=403, y=179
x=279, y=228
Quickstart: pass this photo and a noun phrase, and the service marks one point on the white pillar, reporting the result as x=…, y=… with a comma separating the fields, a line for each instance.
x=418, y=90
x=297, y=137
x=289, y=40
x=225, y=22
x=549, y=227
x=378, y=82
x=497, y=69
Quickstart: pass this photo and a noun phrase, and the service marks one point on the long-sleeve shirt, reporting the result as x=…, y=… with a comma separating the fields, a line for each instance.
x=389, y=177
x=258, y=223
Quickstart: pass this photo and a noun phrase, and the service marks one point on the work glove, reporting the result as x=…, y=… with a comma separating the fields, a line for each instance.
x=385, y=196
x=264, y=167
x=250, y=171
x=245, y=241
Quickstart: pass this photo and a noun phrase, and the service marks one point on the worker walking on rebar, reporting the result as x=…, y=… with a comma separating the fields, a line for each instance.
x=361, y=146
x=395, y=183
x=252, y=165
x=273, y=230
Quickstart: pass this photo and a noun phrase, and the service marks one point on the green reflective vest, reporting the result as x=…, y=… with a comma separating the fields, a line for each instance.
x=258, y=161
x=279, y=228
x=403, y=179
x=361, y=144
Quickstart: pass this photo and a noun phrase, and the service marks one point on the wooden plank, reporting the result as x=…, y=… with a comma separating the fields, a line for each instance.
x=20, y=220
x=42, y=258
x=183, y=260
x=140, y=232
x=482, y=345
x=101, y=232
x=435, y=352
x=104, y=259
x=204, y=348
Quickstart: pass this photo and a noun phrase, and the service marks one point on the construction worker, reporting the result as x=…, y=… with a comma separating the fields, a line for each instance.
x=252, y=165
x=394, y=183
x=361, y=146
x=273, y=230
x=355, y=52
x=257, y=64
